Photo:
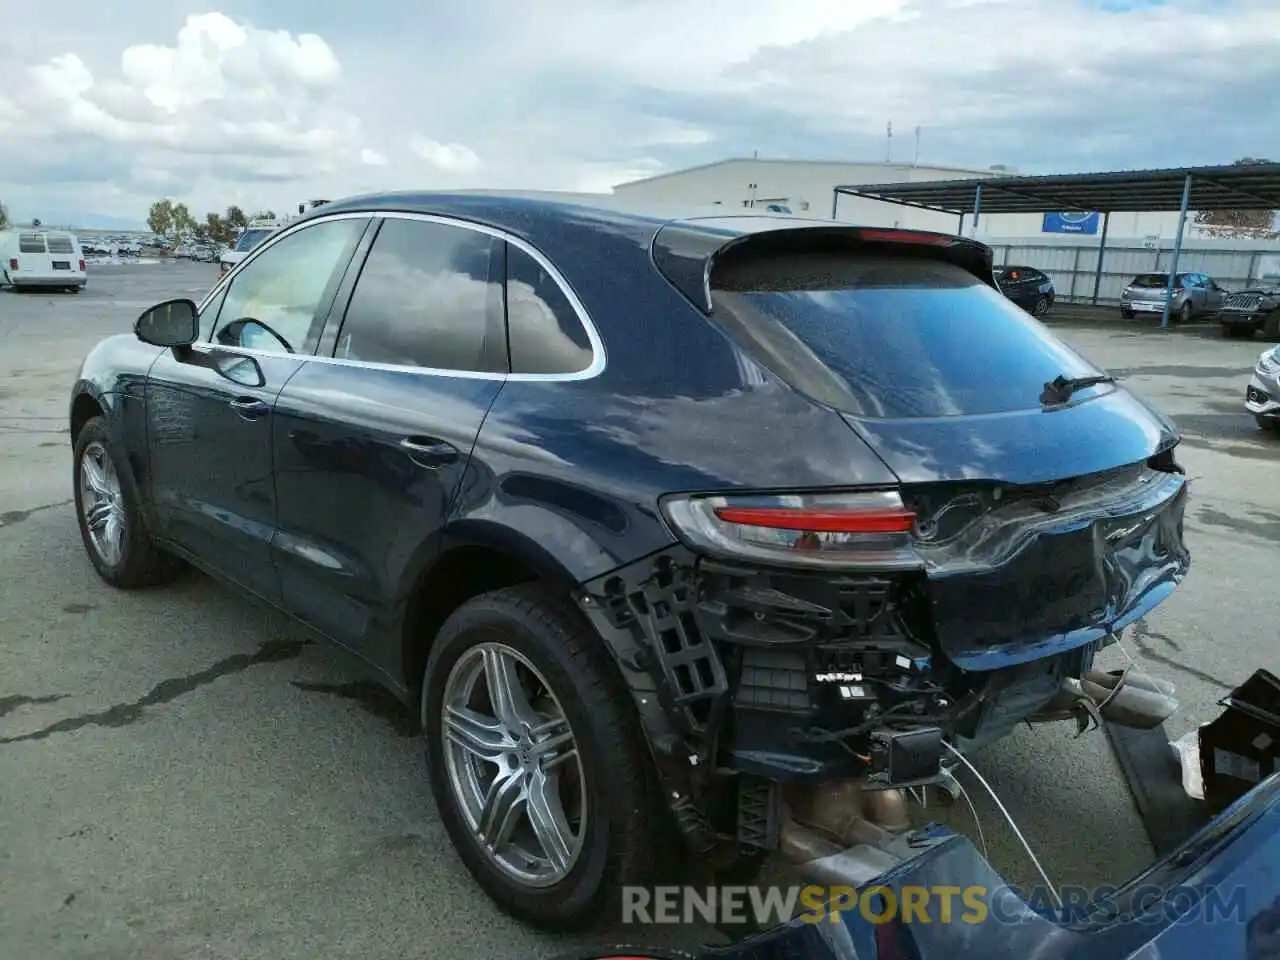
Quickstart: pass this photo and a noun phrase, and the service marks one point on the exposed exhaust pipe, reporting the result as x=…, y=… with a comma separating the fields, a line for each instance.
x=821, y=861
x=1127, y=698
x=841, y=833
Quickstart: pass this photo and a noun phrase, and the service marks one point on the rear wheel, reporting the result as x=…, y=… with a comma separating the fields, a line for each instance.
x=536, y=760
x=1041, y=306
x=113, y=526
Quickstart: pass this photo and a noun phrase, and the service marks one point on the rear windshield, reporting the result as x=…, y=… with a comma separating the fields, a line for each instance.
x=59, y=243
x=1151, y=280
x=889, y=337
x=250, y=239
x=31, y=243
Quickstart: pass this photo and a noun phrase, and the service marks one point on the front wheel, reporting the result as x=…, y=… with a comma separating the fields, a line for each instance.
x=1041, y=306
x=1186, y=313
x=109, y=509
x=536, y=759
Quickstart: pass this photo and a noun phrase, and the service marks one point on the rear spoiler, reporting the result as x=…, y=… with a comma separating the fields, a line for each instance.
x=686, y=252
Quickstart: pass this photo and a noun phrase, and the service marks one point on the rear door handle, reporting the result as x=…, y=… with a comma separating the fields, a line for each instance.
x=428, y=451
x=249, y=408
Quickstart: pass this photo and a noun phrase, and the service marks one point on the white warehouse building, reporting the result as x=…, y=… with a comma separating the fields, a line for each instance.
x=806, y=187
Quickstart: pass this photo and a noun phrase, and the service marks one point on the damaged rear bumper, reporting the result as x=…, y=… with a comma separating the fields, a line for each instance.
x=780, y=674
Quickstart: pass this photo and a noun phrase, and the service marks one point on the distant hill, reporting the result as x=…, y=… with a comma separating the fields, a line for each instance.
x=70, y=220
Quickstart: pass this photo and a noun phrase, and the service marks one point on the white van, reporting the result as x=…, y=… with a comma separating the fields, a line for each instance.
x=51, y=259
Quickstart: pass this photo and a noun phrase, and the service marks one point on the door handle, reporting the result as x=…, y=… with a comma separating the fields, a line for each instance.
x=249, y=408
x=428, y=451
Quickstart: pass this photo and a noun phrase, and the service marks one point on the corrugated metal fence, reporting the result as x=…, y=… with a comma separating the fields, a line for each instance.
x=1072, y=266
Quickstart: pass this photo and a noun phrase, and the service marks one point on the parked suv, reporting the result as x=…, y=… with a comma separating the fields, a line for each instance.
x=1194, y=295
x=715, y=528
x=1256, y=310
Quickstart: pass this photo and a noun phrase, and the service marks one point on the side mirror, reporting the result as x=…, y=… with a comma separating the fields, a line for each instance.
x=174, y=323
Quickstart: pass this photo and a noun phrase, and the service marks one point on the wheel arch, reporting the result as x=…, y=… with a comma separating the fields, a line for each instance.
x=86, y=403
x=469, y=558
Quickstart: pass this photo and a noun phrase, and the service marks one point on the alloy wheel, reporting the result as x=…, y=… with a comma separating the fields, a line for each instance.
x=513, y=765
x=101, y=503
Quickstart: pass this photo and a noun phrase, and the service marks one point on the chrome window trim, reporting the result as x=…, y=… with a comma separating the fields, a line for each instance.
x=598, y=357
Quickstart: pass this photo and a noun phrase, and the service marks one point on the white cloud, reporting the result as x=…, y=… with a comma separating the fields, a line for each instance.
x=249, y=108
x=446, y=157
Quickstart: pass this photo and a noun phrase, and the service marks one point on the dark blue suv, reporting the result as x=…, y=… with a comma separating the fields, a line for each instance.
x=665, y=525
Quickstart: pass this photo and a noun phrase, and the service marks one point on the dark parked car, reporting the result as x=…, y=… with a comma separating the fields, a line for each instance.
x=1028, y=287
x=1252, y=311
x=647, y=518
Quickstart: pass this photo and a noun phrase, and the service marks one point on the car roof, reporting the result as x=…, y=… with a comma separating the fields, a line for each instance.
x=528, y=214
x=581, y=231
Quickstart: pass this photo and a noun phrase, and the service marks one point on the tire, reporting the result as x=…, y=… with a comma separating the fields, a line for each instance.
x=1271, y=326
x=1041, y=306
x=1127, y=314
x=610, y=780
x=131, y=559
x=1186, y=313
x=1269, y=424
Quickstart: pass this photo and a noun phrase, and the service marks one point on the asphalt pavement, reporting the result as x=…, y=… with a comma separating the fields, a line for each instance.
x=185, y=775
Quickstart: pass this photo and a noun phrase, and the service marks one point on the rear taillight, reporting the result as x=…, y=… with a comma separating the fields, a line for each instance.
x=82, y=266
x=864, y=528
x=13, y=263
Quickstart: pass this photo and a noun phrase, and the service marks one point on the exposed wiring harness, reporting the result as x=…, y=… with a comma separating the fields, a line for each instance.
x=1009, y=818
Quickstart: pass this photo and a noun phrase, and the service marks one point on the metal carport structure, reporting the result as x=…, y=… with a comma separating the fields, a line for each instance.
x=1251, y=186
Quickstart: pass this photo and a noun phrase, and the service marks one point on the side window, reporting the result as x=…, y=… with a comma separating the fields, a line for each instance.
x=427, y=297
x=544, y=331
x=286, y=289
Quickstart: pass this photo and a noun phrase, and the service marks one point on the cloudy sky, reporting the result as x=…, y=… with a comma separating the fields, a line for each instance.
x=106, y=107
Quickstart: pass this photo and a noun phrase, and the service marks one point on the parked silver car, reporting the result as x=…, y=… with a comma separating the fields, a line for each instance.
x=1194, y=295
x=1262, y=396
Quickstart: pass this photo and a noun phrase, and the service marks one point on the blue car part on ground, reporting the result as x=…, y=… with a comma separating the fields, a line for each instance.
x=1217, y=896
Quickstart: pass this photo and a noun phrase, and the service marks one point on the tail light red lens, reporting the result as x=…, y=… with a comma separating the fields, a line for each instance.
x=862, y=528
x=82, y=266
x=13, y=263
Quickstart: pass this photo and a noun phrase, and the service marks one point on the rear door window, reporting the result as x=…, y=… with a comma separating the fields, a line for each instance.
x=31, y=243
x=429, y=295
x=60, y=244
x=890, y=337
